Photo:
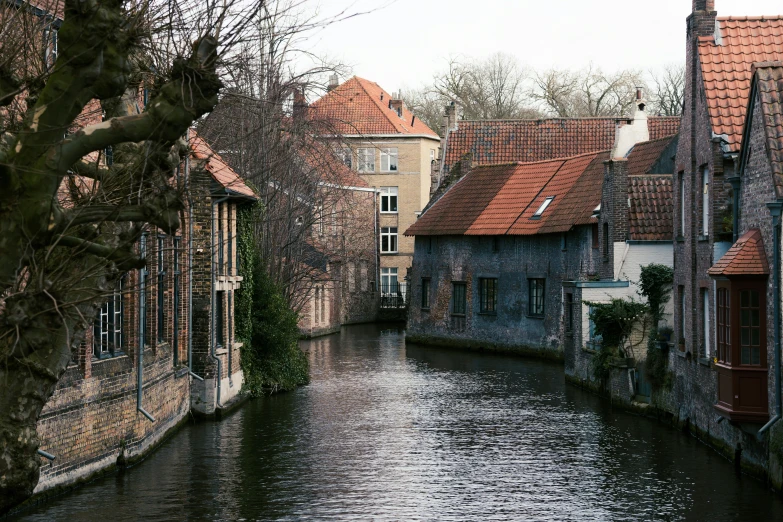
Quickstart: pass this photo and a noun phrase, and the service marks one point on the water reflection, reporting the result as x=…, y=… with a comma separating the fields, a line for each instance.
x=393, y=432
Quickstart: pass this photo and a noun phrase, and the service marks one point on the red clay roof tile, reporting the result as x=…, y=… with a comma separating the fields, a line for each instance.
x=219, y=169
x=359, y=106
x=746, y=257
x=726, y=68
x=652, y=206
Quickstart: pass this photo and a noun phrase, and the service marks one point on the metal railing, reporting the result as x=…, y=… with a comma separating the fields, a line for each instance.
x=394, y=295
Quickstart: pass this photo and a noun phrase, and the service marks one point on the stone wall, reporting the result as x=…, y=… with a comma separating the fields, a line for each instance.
x=512, y=260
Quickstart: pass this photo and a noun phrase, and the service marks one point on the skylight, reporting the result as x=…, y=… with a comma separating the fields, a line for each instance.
x=543, y=206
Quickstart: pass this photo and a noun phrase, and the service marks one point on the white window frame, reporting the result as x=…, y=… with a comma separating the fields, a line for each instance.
x=390, y=159
x=346, y=155
x=365, y=159
x=387, y=195
x=390, y=234
x=108, y=329
x=706, y=322
x=543, y=207
x=389, y=281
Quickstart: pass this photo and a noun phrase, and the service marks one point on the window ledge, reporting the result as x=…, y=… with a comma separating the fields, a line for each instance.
x=425, y=309
x=221, y=351
x=703, y=238
x=705, y=361
x=457, y=315
x=181, y=372
x=534, y=316
x=491, y=314
x=681, y=354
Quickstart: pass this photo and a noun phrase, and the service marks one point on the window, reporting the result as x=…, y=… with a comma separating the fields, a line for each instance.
x=389, y=284
x=458, y=298
x=488, y=287
x=177, y=274
x=161, y=304
x=594, y=235
x=107, y=330
x=543, y=207
x=705, y=202
x=705, y=305
x=723, y=326
x=389, y=200
x=143, y=292
x=569, y=312
x=681, y=176
x=536, y=294
x=496, y=244
x=606, y=240
x=750, y=328
x=432, y=155
x=389, y=160
x=681, y=303
x=346, y=155
x=429, y=244
x=389, y=240
x=365, y=160
x=425, y=293
x=564, y=241
x=219, y=319
x=594, y=340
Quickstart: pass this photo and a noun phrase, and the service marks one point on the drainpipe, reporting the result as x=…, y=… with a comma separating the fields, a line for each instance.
x=142, y=325
x=190, y=262
x=213, y=337
x=735, y=187
x=45, y=454
x=775, y=209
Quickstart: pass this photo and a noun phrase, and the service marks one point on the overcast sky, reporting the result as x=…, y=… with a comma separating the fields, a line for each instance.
x=403, y=42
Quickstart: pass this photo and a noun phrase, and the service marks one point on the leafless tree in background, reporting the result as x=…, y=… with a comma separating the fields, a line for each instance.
x=263, y=128
x=70, y=220
x=667, y=93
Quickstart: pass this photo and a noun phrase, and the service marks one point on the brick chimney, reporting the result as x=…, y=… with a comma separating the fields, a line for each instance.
x=396, y=104
x=300, y=105
x=702, y=19
x=451, y=117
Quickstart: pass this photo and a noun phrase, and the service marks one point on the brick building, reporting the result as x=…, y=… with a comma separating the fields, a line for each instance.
x=139, y=372
x=392, y=150
x=725, y=179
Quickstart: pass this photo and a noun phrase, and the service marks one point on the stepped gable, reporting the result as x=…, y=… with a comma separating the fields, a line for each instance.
x=362, y=107
x=727, y=60
x=745, y=257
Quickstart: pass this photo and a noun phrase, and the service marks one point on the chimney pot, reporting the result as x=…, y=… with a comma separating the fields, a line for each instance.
x=334, y=82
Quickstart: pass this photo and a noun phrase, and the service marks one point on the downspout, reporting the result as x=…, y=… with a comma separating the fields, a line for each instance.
x=190, y=262
x=775, y=209
x=142, y=326
x=377, y=236
x=212, y=337
x=735, y=188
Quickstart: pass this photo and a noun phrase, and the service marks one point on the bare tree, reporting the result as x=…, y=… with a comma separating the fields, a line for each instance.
x=668, y=90
x=264, y=129
x=84, y=172
x=590, y=92
x=427, y=105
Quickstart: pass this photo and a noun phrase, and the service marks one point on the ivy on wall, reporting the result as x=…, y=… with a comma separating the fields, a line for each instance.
x=265, y=324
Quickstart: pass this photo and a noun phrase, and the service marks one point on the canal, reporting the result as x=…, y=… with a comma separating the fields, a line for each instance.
x=394, y=432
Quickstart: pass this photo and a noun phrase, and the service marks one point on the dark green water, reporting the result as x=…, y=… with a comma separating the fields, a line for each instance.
x=394, y=432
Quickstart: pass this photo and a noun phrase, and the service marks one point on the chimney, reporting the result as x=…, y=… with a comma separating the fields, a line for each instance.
x=703, y=5
x=396, y=104
x=637, y=131
x=334, y=82
x=300, y=105
x=702, y=19
x=451, y=117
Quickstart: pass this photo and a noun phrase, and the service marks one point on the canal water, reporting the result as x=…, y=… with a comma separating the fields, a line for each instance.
x=389, y=431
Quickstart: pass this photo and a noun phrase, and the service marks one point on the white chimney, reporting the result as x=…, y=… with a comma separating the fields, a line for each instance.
x=634, y=132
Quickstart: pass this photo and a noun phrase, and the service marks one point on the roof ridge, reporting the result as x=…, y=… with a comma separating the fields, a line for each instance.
x=561, y=118
x=750, y=18
x=552, y=160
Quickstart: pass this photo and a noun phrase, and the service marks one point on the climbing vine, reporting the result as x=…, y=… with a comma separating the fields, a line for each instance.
x=614, y=323
x=265, y=324
x=655, y=284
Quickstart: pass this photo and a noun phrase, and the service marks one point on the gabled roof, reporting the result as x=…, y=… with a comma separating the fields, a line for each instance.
x=502, y=199
x=745, y=257
x=644, y=156
x=726, y=68
x=525, y=141
x=362, y=107
x=218, y=168
x=768, y=88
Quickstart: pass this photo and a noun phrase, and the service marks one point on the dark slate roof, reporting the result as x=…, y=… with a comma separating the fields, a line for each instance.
x=527, y=141
x=745, y=257
x=501, y=199
x=769, y=85
x=643, y=156
x=726, y=68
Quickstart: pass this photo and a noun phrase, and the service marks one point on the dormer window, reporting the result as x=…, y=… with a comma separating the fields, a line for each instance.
x=543, y=207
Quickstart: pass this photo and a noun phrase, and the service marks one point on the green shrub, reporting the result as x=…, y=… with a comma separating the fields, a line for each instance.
x=614, y=323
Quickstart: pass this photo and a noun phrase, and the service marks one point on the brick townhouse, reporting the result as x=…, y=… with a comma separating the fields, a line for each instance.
x=725, y=204
x=392, y=150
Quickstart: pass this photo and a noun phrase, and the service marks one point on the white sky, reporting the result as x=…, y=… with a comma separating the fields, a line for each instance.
x=404, y=43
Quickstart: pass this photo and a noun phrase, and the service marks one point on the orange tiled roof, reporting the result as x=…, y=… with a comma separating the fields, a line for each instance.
x=501, y=199
x=746, y=257
x=360, y=106
x=55, y=8
x=218, y=168
x=502, y=141
x=769, y=85
x=726, y=68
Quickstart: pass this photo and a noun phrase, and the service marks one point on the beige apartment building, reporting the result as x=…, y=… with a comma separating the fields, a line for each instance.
x=392, y=150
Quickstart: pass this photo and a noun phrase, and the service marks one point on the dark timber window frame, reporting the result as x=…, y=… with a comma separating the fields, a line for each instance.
x=109, y=325
x=161, y=290
x=459, y=298
x=741, y=355
x=488, y=295
x=536, y=306
x=426, y=285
